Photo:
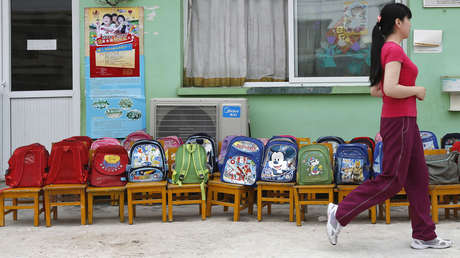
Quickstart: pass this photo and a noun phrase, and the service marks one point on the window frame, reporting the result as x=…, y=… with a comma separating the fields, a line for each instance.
x=293, y=81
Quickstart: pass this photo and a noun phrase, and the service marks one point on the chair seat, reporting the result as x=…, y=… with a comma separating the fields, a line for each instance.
x=22, y=190
x=314, y=186
x=275, y=183
x=174, y=186
x=146, y=184
x=64, y=186
x=92, y=189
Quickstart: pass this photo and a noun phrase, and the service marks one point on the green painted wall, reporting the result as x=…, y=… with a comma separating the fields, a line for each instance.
x=345, y=115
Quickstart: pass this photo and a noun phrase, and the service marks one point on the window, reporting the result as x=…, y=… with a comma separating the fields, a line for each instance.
x=41, y=45
x=283, y=42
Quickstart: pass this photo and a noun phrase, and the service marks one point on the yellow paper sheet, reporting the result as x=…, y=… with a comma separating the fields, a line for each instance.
x=119, y=59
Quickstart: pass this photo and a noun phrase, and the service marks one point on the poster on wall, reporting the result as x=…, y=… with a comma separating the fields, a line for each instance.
x=114, y=71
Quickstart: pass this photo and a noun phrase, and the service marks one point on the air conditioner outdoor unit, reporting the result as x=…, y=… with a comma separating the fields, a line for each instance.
x=182, y=117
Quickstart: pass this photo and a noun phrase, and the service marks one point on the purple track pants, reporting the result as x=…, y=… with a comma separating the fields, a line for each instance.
x=403, y=166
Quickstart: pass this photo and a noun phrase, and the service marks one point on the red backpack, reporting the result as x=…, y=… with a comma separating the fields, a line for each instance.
x=85, y=139
x=27, y=166
x=108, y=167
x=68, y=163
x=134, y=137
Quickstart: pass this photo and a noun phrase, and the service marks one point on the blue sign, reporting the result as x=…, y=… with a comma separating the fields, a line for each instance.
x=231, y=111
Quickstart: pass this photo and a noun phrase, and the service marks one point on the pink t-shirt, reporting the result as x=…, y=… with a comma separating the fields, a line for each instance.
x=393, y=107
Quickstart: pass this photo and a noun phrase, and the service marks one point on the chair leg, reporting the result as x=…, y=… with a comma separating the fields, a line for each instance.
x=130, y=207
x=209, y=202
x=55, y=208
x=15, y=211
x=90, y=207
x=163, y=203
x=2, y=210
x=121, y=197
x=297, y=208
x=251, y=202
x=434, y=207
x=259, y=203
x=387, y=211
x=83, y=206
x=373, y=214
x=47, y=209
x=291, y=205
x=170, y=204
x=236, y=206
x=36, y=210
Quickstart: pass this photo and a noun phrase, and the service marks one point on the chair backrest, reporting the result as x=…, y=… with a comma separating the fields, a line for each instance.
x=302, y=141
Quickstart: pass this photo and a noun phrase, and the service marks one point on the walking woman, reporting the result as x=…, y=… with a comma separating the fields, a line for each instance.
x=393, y=78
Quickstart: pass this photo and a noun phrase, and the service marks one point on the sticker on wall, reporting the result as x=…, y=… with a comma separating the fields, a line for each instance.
x=114, y=70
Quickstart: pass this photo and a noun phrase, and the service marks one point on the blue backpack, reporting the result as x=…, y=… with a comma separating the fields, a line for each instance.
x=148, y=162
x=352, y=164
x=243, y=161
x=429, y=140
x=280, y=161
x=378, y=158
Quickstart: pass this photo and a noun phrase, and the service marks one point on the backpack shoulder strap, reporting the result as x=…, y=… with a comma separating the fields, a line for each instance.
x=178, y=176
x=200, y=171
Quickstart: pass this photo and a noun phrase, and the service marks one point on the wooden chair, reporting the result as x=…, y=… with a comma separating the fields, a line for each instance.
x=305, y=195
x=115, y=192
x=344, y=190
x=237, y=196
x=51, y=193
x=184, y=194
x=440, y=193
x=20, y=193
x=135, y=192
x=274, y=193
x=394, y=202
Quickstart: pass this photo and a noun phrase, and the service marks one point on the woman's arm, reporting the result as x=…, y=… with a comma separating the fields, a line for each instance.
x=391, y=84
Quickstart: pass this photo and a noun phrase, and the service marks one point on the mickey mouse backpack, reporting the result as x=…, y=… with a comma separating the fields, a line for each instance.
x=243, y=160
x=280, y=161
x=148, y=162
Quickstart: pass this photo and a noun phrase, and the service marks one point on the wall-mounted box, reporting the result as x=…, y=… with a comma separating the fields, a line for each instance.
x=451, y=84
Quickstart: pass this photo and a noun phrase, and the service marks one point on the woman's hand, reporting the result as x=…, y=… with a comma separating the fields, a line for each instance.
x=421, y=93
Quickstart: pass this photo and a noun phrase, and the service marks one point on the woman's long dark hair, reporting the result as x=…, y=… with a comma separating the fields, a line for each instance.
x=382, y=30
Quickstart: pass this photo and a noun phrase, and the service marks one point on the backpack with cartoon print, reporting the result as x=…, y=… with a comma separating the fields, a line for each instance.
x=148, y=162
x=352, y=164
x=280, y=160
x=242, y=162
x=429, y=140
x=377, y=168
x=314, y=165
x=209, y=144
x=448, y=140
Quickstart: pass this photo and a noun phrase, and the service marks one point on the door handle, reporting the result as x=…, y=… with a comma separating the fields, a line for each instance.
x=3, y=84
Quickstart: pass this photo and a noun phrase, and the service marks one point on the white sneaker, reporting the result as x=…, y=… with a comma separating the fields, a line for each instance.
x=333, y=226
x=437, y=243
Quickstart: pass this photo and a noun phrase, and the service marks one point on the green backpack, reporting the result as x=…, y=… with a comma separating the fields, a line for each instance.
x=191, y=166
x=314, y=165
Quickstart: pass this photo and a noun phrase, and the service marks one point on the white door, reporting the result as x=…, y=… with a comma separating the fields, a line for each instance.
x=41, y=62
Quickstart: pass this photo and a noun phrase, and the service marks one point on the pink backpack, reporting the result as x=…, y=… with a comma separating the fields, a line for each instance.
x=105, y=141
x=171, y=142
x=134, y=137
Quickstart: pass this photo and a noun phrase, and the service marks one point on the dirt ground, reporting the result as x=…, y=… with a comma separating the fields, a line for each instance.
x=218, y=236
